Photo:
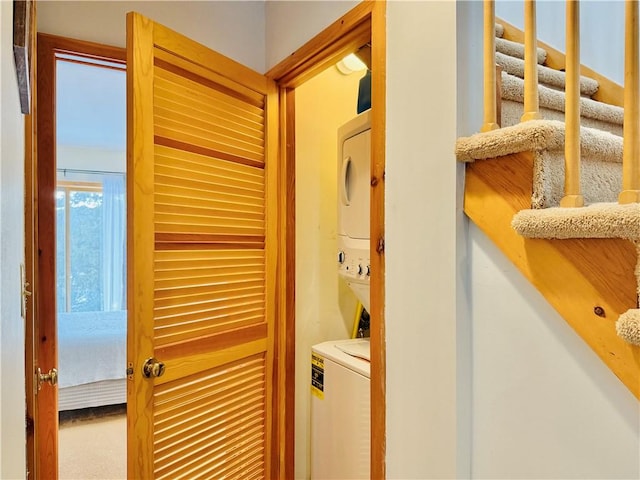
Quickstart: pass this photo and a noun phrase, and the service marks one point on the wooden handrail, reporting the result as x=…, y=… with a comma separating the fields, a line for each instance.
x=531, y=104
x=631, y=142
x=572, y=194
x=489, y=43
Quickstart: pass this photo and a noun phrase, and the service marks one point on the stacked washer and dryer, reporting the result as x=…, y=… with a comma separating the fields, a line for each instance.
x=340, y=383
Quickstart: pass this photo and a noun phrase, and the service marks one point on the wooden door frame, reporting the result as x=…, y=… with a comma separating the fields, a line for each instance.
x=40, y=182
x=364, y=23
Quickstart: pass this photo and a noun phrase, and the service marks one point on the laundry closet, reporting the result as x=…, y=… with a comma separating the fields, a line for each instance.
x=332, y=268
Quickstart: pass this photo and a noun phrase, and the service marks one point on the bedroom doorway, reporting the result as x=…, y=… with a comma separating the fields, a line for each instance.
x=90, y=265
x=80, y=230
x=91, y=312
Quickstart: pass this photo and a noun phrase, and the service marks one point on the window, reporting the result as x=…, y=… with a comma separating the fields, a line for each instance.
x=90, y=225
x=90, y=131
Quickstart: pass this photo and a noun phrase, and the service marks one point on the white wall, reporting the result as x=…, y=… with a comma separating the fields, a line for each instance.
x=12, y=393
x=469, y=117
x=325, y=307
x=544, y=405
x=4, y=58
x=233, y=28
x=420, y=240
x=598, y=38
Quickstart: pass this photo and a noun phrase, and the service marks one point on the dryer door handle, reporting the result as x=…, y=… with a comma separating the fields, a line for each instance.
x=345, y=177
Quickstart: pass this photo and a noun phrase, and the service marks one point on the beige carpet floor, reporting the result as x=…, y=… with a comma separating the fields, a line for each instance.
x=93, y=448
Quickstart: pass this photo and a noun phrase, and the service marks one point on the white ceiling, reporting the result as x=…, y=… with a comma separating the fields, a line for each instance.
x=91, y=106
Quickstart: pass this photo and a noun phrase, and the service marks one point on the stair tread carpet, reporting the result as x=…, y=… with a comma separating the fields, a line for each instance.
x=628, y=326
x=513, y=89
x=511, y=114
x=515, y=49
x=600, y=220
x=601, y=152
x=546, y=76
x=536, y=135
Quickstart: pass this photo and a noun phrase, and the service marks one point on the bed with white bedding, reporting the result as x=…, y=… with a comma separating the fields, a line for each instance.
x=92, y=362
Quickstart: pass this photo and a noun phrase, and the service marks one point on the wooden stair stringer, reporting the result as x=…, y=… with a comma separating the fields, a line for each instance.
x=575, y=276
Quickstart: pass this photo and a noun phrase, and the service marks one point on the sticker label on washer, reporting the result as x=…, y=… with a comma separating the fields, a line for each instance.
x=317, y=376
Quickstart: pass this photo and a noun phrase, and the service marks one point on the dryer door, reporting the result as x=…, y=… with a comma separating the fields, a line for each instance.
x=354, y=186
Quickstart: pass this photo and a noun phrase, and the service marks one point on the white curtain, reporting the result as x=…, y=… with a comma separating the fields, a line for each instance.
x=114, y=243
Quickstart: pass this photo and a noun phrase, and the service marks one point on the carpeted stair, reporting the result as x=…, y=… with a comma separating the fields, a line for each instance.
x=601, y=167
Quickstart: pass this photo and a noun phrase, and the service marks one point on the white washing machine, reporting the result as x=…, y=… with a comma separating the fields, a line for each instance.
x=340, y=410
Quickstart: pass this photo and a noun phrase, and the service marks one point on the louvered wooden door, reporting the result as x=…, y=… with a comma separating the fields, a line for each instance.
x=202, y=142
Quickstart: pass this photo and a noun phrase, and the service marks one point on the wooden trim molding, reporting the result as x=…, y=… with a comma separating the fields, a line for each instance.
x=45, y=353
x=40, y=178
x=286, y=333
x=30, y=255
x=377, y=222
x=73, y=46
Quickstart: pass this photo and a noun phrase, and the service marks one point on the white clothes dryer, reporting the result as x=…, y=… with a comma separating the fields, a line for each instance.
x=354, y=178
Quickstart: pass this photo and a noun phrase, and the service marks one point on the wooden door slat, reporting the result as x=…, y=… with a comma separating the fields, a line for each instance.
x=195, y=119
x=170, y=85
x=211, y=114
x=190, y=192
x=203, y=75
x=197, y=329
x=198, y=241
x=177, y=226
x=188, y=123
x=183, y=172
x=237, y=117
x=207, y=150
x=220, y=204
x=190, y=255
x=165, y=155
x=252, y=179
x=178, y=177
x=198, y=261
x=200, y=138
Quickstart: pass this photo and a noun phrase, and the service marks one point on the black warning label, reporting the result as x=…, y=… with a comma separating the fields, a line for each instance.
x=317, y=376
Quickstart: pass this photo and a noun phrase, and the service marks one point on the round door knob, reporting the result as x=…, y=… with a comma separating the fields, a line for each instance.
x=152, y=368
x=50, y=378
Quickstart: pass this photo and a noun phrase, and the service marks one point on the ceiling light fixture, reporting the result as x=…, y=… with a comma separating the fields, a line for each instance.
x=350, y=64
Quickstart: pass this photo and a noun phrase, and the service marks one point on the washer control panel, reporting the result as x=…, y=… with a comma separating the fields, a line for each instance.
x=354, y=264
